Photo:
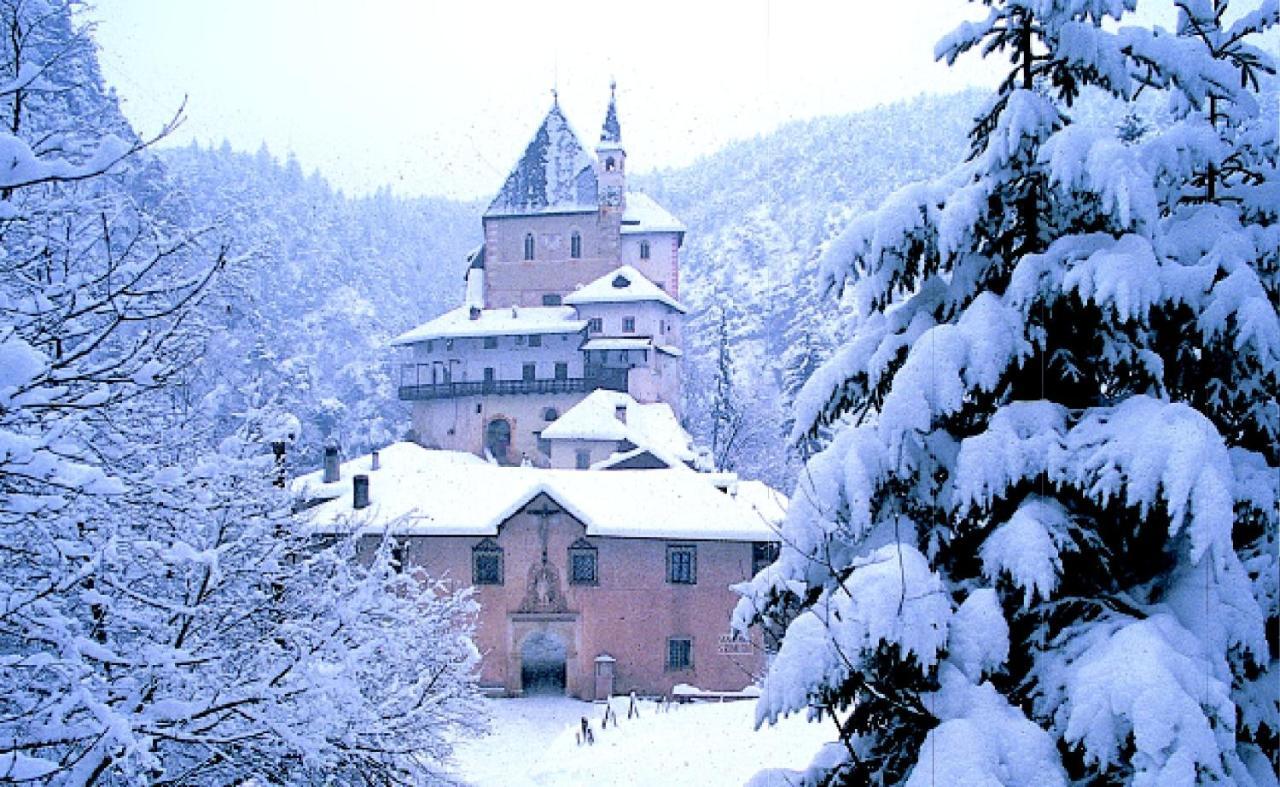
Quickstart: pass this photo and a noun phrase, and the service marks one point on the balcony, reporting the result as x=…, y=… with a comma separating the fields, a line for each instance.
x=411, y=390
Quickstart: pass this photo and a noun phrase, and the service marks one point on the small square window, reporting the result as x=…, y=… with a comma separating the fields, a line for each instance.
x=486, y=563
x=582, y=563
x=535, y=340
x=679, y=654
x=582, y=459
x=595, y=325
x=551, y=299
x=491, y=342
x=762, y=554
x=628, y=324
x=682, y=564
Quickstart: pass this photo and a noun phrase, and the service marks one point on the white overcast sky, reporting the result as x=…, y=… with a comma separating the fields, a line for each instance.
x=440, y=97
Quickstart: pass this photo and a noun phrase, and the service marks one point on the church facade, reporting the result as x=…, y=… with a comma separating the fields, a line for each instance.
x=548, y=468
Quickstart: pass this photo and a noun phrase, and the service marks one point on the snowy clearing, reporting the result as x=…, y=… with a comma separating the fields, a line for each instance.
x=533, y=742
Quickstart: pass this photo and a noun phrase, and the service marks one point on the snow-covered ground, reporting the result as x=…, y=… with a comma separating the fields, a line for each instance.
x=533, y=743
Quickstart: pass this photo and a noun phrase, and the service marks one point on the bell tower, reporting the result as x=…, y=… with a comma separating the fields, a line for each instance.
x=611, y=161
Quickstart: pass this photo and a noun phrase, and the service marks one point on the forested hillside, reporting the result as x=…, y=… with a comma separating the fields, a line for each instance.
x=327, y=281
x=757, y=213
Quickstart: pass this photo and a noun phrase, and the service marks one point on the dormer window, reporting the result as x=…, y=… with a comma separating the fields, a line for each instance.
x=644, y=250
x=575, y=245
x=528, y=246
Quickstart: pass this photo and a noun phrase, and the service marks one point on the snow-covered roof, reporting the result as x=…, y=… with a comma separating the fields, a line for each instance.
x=554, y=174
x=643, y=214
x=622, y=285
x=618, y=344
x=418, y=491
x=508, y=321
x=675, y=352
x=652, y=426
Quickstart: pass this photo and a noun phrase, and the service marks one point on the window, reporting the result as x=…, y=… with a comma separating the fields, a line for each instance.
x=628, y=324
x=575, y=245
x=528, y=246
x=486, y=563
x=544, y=445
x=535, y=340
x=582, y=459
x=562, y=370
x=762, y=554
x=582, y=563
x=679, y=653
x=397, y=556
x=682, y=564
x=491, y=342
x=550, y=414
x=488, y=374
x=431, y=345
x=609, y=164
x=595, y=325
x=530, y=372
x=644, y=249
x=551, y=299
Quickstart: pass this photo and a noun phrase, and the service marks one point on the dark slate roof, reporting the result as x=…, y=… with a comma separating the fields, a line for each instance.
x=555, y=174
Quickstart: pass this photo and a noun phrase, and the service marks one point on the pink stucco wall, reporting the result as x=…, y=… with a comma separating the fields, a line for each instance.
x=628, y=615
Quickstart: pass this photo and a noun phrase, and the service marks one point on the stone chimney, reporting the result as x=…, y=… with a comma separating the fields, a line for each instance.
x=375, y=462
x=475, y=312
x=620, y=412
x=360, y=491
x=331, y=464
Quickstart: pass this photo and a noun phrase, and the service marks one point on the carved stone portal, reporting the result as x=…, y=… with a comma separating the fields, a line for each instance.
x=542, y=592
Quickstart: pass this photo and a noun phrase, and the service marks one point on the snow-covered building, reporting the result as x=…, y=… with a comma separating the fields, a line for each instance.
x=575, y=289
x=549, y=467
x=591, y=582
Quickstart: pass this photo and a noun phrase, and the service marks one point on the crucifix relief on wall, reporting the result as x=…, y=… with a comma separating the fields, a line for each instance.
x=542, y=592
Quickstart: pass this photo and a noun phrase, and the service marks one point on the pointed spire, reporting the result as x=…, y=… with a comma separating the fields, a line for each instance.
x=611, y=132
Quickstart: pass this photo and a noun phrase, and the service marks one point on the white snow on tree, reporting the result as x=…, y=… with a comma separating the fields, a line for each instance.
x=163, y=618
x=1041, y=547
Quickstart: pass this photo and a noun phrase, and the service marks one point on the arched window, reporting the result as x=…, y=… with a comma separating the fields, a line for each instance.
x=497, y=438
x=528, y=246
x=575, y=245
x=550, y=414
x=609, y=164
x=644, y=249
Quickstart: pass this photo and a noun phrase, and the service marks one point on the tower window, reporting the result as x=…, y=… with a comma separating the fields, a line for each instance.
x=528, y=246
x=610, y=165
x=644, y=250
x=575, y=245
x=535, y=340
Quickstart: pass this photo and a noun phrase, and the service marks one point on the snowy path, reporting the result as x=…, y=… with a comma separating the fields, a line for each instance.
x=533, y=743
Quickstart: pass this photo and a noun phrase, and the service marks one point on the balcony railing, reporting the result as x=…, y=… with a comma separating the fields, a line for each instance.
x=413, y=391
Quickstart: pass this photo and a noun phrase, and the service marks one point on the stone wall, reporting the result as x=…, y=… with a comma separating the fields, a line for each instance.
x=628, y=614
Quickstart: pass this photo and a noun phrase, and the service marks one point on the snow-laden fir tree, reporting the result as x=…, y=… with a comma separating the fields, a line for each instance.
x=1046, y=551
x=163, y=619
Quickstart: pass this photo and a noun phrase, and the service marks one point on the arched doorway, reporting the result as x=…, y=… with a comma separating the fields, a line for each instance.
x=497, y=439
x=542, y=664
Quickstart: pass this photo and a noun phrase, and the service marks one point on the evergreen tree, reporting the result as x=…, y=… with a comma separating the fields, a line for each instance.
x=1045, y=552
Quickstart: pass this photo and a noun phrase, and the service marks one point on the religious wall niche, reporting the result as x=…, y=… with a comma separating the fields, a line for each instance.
x=543, y=592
